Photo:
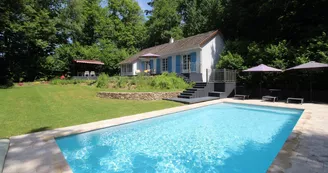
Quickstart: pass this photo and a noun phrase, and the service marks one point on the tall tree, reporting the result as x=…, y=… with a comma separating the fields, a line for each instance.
x=201, y=16
x=71, y=21
x=164, y=22
x=29, y=36
x=129, y=30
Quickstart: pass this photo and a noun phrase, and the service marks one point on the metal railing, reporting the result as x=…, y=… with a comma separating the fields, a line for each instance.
x=221, y=75
x=126, y=73
x=188, y=68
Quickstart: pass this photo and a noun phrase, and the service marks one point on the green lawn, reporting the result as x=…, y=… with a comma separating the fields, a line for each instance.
x=33, y=108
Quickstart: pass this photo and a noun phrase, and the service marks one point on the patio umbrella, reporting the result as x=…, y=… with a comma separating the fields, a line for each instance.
x=262, y=68
x=149, y=55
x=310, y=66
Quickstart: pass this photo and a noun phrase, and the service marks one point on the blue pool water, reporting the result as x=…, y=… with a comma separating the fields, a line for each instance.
x=216, y=138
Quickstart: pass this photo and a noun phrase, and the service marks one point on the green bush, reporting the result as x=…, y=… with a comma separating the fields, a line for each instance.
x=166, y=81
x=102, y=81
x=7, y=84
x=169, y=81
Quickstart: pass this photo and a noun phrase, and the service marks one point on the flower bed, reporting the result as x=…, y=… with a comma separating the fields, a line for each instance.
x=138, y=95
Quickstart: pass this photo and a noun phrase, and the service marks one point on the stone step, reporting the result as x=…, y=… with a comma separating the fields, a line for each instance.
x=183, y=96
x=186, y=94
x=188, y=91
x=215, y=94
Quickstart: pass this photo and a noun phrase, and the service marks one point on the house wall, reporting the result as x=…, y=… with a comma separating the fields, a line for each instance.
x=134, y=68
x=186, y=52
x=206, y=58
x=210, y=55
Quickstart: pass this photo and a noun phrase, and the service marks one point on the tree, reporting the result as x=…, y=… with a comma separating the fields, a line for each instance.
x=129, y=30
x=201, y=16
x=230, y=61
x=164, y=22
x=29, y=36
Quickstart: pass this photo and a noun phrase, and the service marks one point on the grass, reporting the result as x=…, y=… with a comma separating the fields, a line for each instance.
x=41, y=107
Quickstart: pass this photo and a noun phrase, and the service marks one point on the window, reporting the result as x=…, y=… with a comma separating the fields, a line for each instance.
x=126, y=68
x=129, y=68
x=164, y=64
x=186, y=63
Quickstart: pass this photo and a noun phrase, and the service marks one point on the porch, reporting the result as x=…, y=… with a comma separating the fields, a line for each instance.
x=86, y=69
x=186, y=65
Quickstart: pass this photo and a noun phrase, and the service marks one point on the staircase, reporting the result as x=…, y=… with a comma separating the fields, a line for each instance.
x=200, y=89
x=185, y=78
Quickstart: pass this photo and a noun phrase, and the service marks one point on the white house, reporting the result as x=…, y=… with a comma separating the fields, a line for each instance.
x=195, y=55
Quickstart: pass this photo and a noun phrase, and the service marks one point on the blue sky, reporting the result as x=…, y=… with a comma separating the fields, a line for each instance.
x=143, y=4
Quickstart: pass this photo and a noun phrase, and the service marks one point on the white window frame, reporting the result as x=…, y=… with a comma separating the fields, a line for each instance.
x=164, y=65
x=129, y=68
x=186, y=65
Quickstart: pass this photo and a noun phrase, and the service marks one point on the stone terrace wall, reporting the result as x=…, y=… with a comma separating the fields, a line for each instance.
x=138, y=95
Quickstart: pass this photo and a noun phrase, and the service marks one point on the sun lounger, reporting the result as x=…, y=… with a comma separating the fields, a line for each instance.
x=241, y=93
x=266, y=98
x=240, y=96
x=295, y=99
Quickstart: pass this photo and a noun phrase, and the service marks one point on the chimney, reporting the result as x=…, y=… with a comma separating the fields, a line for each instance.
x=171, y=40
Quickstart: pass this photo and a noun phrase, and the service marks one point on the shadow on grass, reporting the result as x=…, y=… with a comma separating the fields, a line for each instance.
x=39, y=129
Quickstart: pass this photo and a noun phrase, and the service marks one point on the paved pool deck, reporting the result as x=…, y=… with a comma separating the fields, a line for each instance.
x=306, y=149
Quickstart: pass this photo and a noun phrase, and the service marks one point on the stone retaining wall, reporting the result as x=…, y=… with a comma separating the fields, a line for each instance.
x=138, y=95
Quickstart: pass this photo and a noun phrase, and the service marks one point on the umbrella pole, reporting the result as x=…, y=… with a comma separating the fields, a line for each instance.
x=311, y=87
x=261, y=85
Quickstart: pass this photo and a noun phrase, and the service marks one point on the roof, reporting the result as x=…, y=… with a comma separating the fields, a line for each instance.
x=192, y=42
x=89, y=62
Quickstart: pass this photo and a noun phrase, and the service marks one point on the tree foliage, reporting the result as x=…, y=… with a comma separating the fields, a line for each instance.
x=164, y=22
x=40, y=38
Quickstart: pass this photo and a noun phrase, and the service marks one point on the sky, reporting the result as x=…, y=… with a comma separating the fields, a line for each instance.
x=143, y=4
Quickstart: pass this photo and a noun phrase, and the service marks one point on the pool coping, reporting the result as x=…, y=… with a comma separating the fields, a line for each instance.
x=52, y=159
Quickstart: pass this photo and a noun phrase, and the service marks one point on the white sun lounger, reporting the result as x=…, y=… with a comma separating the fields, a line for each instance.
x=297, y=99
x=267, y=98
x=240, y=96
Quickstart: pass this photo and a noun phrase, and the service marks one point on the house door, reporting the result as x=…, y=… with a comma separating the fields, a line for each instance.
x=186, y=64
x=147, y=65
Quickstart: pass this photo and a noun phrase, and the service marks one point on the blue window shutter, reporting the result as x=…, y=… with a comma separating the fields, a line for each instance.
x=193, y=61
x=142, y=66
x=151, y=64
x=178, y=64
x=169, y=64
x=158, y=66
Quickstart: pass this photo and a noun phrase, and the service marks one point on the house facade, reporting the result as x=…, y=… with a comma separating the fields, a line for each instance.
x=195, y=55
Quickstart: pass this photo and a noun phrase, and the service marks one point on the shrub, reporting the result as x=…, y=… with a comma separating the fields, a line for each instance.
x=102, y=81
x=169, y=81
x=141, y=82
x=7, y=84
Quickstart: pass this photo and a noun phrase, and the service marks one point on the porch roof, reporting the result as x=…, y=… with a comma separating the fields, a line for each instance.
x=192, y=42
x=89, y=62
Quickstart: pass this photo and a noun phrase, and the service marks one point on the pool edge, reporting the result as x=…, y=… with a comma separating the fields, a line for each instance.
x=49, y=136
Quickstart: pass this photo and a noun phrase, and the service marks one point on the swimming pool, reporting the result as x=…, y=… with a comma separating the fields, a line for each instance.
x=216, y=138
